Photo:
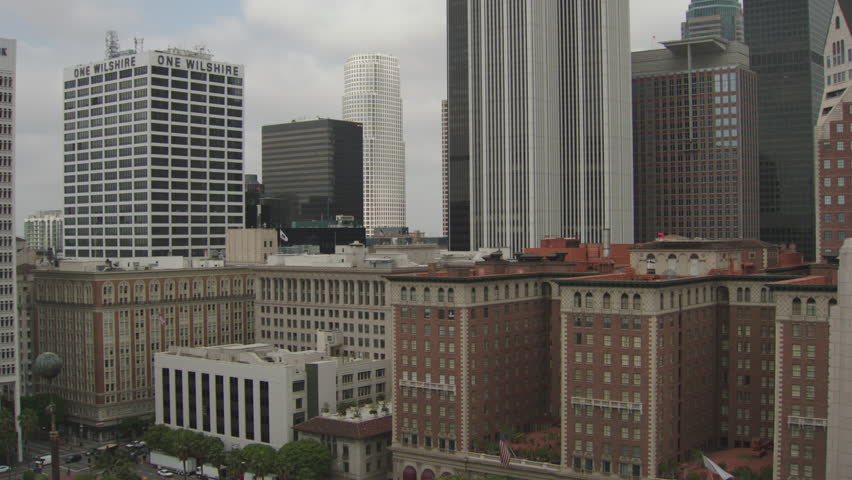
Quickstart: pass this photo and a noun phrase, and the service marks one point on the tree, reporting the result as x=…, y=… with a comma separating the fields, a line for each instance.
x=38, y=403
x=260, y=459
x=205, y=448
x=183, y=445
x=86, y=476
x=303, y=460
x=28, y=423
x=8, y=437
x=160, y=437
x=132, y=427
x=235, y=462
x=115, y=465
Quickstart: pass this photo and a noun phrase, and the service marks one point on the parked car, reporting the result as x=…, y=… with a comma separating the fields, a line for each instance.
x=165, y=473
x=73, y=458
x=5, y=468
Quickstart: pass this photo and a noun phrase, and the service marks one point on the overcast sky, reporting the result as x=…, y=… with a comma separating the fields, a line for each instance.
x=293, y=51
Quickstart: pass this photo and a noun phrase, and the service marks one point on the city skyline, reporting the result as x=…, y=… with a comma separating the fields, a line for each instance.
x=302, y=80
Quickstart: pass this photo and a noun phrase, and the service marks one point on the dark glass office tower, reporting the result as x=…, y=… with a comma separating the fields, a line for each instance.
x=787, y=38
x=458, y=130
x=318, y=163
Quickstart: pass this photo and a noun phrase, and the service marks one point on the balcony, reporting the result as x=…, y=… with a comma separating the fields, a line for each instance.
x=444, y=387
x=807, y=421
x=598, y=402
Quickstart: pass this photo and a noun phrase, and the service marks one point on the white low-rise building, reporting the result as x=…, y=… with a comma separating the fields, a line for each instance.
x=257, y=393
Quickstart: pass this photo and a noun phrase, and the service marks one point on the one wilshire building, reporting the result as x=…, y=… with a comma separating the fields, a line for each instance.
x=153, y=154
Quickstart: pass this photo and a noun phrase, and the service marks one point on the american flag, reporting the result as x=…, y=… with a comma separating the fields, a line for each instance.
x=162, y=320
x=505, y=453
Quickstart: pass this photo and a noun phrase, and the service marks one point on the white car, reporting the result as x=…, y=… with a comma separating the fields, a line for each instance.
x=165, y=473
x=5, y=468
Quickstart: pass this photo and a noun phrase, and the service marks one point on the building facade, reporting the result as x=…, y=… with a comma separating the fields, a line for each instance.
x=713, y=18
x=790, y=89
x=445, y=170
x=318, y=164
x=302, y=297
x=834, y=139
x=371, y=97
x=548, y=152
x=153, y=156
x=633, y=370
x=108, y=325
x=359, y=441
x=839, y=456
x=43, y=230
x=256, y=393
x=695, y=152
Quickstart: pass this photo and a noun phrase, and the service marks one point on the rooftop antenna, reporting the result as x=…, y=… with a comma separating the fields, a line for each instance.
x=138, y=44
x=111, y=44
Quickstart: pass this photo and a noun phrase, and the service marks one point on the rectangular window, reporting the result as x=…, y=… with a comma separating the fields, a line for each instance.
x=234, y=398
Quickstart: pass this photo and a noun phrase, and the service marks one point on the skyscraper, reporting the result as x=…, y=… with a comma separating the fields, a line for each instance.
x=695, y=154
x=833, y=135
x=786, y=40
x=371, y=97
x=317, y=163
x=445, y=171
x=713, y=18
x=153, y=154
x=8, y=319
x=43, y=230
x=539, y=122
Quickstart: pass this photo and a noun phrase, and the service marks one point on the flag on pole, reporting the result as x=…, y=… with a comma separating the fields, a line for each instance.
x=162, y=320
x=505, y=453
x=282, y=236
x=716, y=469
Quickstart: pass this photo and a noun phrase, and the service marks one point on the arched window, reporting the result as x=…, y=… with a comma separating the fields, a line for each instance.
x=578, y=300
x=107, y=293
x=403, y=294
x=588, y=299
x=427, y=295
x=139, y=292
x=451, y=295
x=473, y=294
x=625, y=301
x=672, y=264
x=662, y=301
x=763, y=295
x=797, y=306
x=517, y=290
x=409, y=473
x=412, y=294
x=197, y=289
x=427, y=475
x=637, y=302
x=440, y=295
x=506, y=292
x=810, y=309
x=693, y=266
x=739, y=294
x=607, y=301
x=747, y=294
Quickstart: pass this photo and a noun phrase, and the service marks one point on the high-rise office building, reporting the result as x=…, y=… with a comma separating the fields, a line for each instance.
x=445, y=171
x=371, y=97
x=153, y=154
x=539, y=122
x=786, y=41
x=318, y=164
x=8, y=320
x=43, y=230
x=834, y=138
x=695, y=148
x=713, y=18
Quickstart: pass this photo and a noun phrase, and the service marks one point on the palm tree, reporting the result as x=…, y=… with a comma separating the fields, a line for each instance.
x=28, y=423
x=184, y=445
x=235, y=462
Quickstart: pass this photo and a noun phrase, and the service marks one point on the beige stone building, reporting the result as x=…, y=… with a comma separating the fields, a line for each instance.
x=107, y=323
x=331, y=302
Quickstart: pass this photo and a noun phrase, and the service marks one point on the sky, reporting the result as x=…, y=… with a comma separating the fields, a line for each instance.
x=293, y=52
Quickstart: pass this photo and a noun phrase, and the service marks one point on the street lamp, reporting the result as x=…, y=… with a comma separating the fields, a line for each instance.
x=47, y=366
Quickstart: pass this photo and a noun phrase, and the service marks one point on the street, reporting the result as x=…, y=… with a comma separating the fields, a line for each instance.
x=70, y=470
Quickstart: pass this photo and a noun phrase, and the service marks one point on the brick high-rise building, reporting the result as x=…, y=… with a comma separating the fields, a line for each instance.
x=834, y=139
x=695, y=153
x=640, y=369
x=108, y=323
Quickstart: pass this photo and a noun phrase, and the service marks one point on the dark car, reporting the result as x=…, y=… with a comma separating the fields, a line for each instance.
x=73, y=458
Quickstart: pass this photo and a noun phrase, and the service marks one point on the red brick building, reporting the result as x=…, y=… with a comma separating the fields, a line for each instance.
x=635, y=370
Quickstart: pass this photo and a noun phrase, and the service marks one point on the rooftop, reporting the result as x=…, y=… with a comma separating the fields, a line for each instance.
x=358, y=422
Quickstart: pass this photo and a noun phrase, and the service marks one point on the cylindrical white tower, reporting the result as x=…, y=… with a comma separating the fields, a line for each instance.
x=371, y=96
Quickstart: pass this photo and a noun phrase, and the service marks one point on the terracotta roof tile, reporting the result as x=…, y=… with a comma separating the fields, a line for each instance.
x=347, y=428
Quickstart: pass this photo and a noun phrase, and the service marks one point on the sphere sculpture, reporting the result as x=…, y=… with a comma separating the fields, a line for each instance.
x=47, y=365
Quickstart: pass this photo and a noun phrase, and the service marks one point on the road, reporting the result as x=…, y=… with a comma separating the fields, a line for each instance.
x=70, y=470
